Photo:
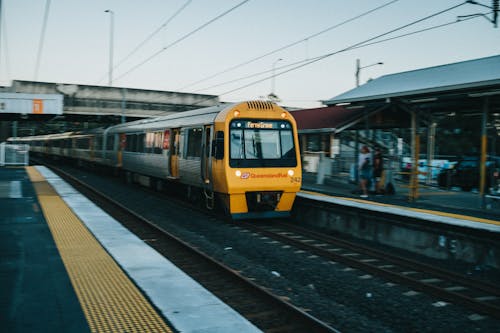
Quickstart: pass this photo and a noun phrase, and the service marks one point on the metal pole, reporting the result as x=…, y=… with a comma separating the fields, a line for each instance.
x=124, y=101
x=359, y=68
x=0, y=34
x=111, y=40
x=415, y=147
x=431, y=141
x=273, y=74
x=484, y=145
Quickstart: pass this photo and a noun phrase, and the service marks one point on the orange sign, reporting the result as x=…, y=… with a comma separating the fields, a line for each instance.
x=37, y=106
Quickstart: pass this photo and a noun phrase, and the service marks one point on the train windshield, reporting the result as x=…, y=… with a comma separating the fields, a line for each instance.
x=256, y=144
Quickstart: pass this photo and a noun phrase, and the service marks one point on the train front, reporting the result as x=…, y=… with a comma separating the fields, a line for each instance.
x=260, y=172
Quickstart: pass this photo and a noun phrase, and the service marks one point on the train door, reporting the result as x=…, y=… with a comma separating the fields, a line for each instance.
x=174, y=153
x=206, y=166
x=206, y=159
x=121, y=147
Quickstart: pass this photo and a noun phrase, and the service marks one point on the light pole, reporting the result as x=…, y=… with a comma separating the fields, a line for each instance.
x=272, y=96
x=272, y=78
x=111, y=32
x=359, y=68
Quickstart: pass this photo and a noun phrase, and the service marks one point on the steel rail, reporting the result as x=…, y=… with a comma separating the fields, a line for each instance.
x=292, y=236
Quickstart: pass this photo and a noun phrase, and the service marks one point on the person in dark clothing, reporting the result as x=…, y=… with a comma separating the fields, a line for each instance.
x=378, y=169
x=365, y=170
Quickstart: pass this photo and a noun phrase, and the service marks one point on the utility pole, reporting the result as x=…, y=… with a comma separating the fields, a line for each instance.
x=359, y=68
x=111, y=36
x=0, y=34
x=495, y=13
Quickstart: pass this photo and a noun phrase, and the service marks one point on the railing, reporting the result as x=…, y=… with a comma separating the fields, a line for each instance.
x=14, y=154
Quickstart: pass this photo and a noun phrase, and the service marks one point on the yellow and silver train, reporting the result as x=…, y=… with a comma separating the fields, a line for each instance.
x=243, y=155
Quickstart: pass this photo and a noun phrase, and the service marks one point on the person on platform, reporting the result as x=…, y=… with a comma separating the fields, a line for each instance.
x=378, y=169
x=365, y=170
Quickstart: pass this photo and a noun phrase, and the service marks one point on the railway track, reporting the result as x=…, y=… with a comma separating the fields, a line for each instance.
x=476, y=295
x=265, y=310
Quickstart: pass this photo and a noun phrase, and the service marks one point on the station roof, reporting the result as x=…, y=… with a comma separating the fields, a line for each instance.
x=324, y=119
x=472, y=76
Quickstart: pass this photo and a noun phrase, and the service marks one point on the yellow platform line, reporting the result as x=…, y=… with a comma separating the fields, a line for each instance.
x=109, y=299
x=419, y=210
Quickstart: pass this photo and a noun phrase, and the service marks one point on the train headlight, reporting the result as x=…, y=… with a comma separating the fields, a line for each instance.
x=291, y=173
x=283, y=115
x=238, y=173
x=236, y=113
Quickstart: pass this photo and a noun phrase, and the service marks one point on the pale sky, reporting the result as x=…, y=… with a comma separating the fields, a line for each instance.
x=76, y=43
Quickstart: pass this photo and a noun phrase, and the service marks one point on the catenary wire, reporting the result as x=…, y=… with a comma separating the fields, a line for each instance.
x=42, y=38
x=348, y=49
x=181, y=39
x=356, y=45
x=149, y=37
x=289, y=45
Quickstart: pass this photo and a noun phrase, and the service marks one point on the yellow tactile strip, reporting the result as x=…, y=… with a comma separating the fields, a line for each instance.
x=420, y=210
x=110, y=301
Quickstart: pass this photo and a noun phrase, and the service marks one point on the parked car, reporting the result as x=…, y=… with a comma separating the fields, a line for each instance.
x=465, y=174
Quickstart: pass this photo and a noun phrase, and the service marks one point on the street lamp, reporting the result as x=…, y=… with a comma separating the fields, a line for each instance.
x=272, y=96
x=111, y=31
x=359, y=68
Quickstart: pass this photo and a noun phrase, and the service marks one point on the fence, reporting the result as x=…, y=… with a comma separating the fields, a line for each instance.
x=14, y=154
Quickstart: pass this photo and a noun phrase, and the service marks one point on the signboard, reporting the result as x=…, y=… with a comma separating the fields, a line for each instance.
x=31, y=103
x=260, y=124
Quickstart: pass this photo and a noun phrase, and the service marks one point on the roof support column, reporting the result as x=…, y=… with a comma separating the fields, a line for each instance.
x=431, y=143
x=415, y=152
x=484, y=146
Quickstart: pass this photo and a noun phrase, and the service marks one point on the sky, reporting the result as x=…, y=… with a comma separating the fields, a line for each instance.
x=304, y=51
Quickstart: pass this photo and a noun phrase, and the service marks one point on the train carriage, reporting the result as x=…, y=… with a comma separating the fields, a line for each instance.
x=246, y=155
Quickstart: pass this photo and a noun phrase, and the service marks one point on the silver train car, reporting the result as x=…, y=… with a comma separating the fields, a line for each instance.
x=243, y=155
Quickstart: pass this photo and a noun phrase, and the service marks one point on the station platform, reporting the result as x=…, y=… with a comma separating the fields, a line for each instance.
x=453, y=206
x=67, y=266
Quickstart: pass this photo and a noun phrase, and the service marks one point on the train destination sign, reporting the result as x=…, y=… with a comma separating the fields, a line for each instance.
x=259, y=124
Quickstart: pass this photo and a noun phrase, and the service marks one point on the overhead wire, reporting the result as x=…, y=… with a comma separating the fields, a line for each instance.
x=42, y=38
x=289, y=45
x=344, y=50
x=150, y=36
x=181, y=39
x=356, y=45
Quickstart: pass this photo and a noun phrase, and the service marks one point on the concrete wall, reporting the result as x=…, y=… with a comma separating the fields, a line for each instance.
x=438, y=242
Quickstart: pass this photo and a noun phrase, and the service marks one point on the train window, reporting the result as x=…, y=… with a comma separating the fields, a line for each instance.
x=110, y=142
x=97, y=142
x=131, y=143
x=237, y=144
x=287, y=150
x=82, y=143
x=140, y=143
x=194, y=136
x=150, y=141
x=261, y=144
x=218, y=146
x=158, y=143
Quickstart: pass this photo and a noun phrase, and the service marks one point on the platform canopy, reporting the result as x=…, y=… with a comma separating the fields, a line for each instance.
x=473, y=78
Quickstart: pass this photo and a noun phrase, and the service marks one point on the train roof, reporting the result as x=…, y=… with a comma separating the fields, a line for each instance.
x=193, y=117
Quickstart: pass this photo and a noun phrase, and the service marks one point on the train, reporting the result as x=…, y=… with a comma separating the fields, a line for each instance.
x=243, y=157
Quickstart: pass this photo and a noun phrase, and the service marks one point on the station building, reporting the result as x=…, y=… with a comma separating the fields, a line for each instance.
x=28, y=107
x=432, y=114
